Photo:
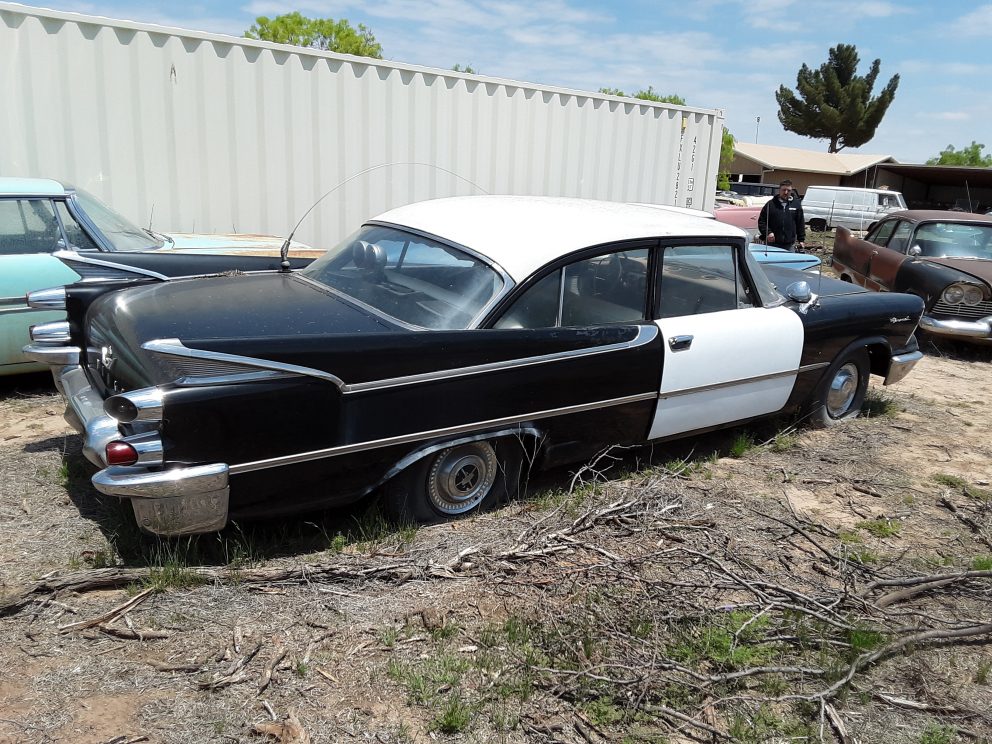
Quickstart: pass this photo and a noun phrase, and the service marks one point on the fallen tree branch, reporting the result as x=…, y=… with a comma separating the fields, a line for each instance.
x=119, y=577
x=109, y=615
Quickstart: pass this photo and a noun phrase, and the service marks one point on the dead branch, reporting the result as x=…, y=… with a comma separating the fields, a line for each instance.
x=924, y=639
x=119, y=576
x=109, y=615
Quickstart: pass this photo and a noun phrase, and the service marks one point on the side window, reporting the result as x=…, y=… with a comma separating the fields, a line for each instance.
x=699, y=279
x=78, y=239
x=611, y=288
x=900, y=237
x=537, y=307
x=881, y=234
x=28, y=226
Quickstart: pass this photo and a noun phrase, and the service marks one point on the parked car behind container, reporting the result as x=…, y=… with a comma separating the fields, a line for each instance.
x=40, y=218
x=827, y=207
x=944, y=257
x=444, y=344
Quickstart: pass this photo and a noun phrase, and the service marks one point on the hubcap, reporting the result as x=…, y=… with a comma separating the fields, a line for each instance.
x=461, y=477
x=843, y=388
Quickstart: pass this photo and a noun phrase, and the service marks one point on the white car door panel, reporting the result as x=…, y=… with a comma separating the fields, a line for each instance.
x=728, y=366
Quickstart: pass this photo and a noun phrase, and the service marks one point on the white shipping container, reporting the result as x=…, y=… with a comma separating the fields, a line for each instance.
x=182, y=131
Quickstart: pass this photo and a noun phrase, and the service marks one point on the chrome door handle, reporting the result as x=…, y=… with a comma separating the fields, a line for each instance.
x=678, y=343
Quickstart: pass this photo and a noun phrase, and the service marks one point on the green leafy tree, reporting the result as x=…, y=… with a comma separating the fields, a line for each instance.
x=726, y=158
x=834, y=102
x=970, y=155
x=646, y=95
x=325, y=34
x=465, y=68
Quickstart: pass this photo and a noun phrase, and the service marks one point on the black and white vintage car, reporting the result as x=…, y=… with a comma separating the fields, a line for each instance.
x=442, y=345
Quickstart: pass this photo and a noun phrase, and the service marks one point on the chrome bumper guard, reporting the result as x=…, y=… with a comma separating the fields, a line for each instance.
x=180, y=501
x=971, y=329
x=900, y=365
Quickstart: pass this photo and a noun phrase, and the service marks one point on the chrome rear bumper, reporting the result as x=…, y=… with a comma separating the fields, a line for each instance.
x=174, y=501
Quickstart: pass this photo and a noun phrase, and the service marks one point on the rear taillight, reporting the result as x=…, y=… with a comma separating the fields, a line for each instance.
x=139, y=449
x=121, y=453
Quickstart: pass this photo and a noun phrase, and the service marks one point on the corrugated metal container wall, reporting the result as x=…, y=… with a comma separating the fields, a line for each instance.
x=191, y=131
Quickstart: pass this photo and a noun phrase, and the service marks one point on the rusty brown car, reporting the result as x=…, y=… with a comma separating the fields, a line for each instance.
x=943, y=257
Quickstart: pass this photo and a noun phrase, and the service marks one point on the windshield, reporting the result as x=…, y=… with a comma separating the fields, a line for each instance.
x=413, y=279
x=122, y=235
x=954, y=240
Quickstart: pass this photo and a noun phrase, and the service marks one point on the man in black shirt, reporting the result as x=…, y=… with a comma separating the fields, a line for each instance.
x=781, y=222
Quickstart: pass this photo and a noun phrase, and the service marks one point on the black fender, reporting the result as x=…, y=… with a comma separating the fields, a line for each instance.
x=928, y=280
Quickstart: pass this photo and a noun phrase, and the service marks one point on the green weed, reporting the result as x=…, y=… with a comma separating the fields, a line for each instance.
x=981, y=563
x=742, y=444
x=881, y=527
x=937, y=734
x=454, y=717
x=879, y=405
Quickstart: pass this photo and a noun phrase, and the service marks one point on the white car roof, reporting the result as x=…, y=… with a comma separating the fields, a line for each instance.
x=523, y=233
x=30, y=187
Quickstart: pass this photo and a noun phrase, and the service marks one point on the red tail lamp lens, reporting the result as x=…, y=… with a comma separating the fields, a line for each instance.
x=121, y=453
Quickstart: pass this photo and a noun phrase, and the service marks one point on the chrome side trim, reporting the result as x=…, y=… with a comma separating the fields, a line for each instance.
x=58, y=356
x=744, y=380
x=645, y=335
x=173, y=346
x=13, y=302
x=52, y=298
x=51, y=334
x=347, y=449
x=79, y=258
x=901, y=365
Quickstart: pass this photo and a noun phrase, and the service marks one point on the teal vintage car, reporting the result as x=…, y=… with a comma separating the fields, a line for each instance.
x=52, y=234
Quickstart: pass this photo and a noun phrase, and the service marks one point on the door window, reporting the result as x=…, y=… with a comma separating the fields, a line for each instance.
x=609, y=288
x=28, y=226
x=78, y=239
x=900, y=238
x=698, y=279
x=881, y=234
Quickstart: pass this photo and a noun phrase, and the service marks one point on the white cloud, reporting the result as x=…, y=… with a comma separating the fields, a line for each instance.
x=948, y=115
x=977, y=23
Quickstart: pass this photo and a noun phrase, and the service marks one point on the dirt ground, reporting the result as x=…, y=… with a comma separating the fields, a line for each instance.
x=598, y=608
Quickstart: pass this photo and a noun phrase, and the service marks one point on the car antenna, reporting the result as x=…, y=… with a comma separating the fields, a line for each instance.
x=284, y=265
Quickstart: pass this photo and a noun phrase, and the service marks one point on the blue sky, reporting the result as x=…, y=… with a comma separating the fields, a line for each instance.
x=727, y=54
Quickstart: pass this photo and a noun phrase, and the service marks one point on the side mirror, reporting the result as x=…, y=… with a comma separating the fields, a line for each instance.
x=915, y=251
x=799, y=291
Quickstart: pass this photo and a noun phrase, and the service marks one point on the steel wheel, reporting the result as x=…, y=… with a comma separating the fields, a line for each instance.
x=843, y=390
x=461, y=477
